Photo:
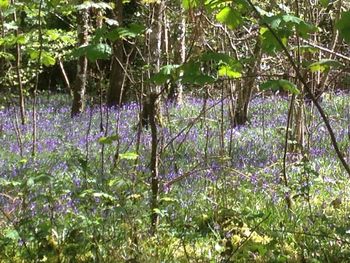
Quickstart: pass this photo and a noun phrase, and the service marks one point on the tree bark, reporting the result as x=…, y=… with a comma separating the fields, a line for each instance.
x=246, y=90
x=18, y=71
x=116, y=86
x=79, y=85
x=176, y=89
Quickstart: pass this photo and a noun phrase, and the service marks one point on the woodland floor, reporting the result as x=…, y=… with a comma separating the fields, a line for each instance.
x=222, y=196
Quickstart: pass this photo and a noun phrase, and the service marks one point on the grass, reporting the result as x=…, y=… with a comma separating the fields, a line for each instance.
x=72, y=204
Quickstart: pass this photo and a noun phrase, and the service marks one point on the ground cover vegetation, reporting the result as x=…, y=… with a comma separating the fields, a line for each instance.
x=174, y=131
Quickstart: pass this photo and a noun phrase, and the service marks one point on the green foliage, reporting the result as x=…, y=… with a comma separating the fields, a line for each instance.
x=343, y=25
x=93, y=51
x=166, y=74
x=95, y=5
x=128, y=156
x=108, y=139
x=4, y=4
x=230, y=17
x=325, y=65
x=280, y=84
x=188, y=4
x=131, y=31
x=284, y=26
x=268, y=41
x=65, y=214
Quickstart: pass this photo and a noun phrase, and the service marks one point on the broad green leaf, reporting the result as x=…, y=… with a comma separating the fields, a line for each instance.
x=4, y=4
x=165, y=74
x=192, y=74
x=131, y=31
x=108, y=139
x=290, y=23
x=189, y=4
x=52, y=34
x=227, y=71
x=21, y=39
x=47, y=59
x=325, y=65
x=128, y=156
x=324, y=3
x=269, y=43
x=343, y=25
x=230, y=17
x=7, y=56
x=93, y=51
x=280, y=84
x=227, y=65
x=12, y=234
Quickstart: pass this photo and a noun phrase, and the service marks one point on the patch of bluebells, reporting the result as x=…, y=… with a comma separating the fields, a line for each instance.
x=254, y=146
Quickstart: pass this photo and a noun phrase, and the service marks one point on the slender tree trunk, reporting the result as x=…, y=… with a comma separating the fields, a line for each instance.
x=151, y=108
x=154, y=59
x=116, y=85
x=176, y=89
x=34, y=114
x=246, y=90
x=65, y=77
x=154, y=162
x=18, y=71
x=79, y=85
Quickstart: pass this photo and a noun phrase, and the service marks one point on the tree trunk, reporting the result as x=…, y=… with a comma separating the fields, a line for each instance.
x=18, y=71
x=79, y=85
x=154, y=59
x=116, y=85
x=176, y=89
x=246, y=89
x=151, y=108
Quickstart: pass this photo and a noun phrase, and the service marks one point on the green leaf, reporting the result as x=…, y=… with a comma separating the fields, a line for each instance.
x=108, y=139
x=324, y=3
x=165, y=74
x=192, y=74
x=343, y=25
x=227, y=71
x=189, y=4
x=280, y=84
x=269, y=43
x=52, y=34
x=128, y=156
x=4, y=4
x=93, y=51
x=132, y=31
x=228, y=66
x=47, y=59
x=290, y=23
x=324, y=65
x=7, y=56
x=230, y=17
x=12, y=234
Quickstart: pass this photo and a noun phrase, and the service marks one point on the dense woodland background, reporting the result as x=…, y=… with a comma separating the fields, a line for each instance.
x=174, y=131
